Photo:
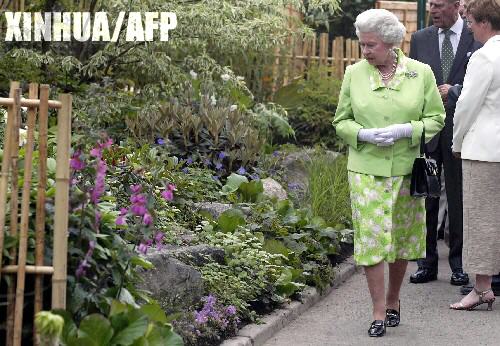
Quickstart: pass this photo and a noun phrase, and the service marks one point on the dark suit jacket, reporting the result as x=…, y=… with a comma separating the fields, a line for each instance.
x=424, y=47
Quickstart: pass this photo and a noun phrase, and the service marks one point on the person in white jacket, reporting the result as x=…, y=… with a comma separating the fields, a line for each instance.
x=476, y=141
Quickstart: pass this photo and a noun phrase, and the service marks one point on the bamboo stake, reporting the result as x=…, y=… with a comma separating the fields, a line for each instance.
x=61, y=204
x=25, y=209
x=14, y=198
x=30, y=269
x=43, y=114
x=13, y=230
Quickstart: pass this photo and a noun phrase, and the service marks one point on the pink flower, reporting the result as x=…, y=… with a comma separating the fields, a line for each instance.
x=147, y=219
x=143, y=248
x=168, y=195
x=138, y=209
x=171, y=187
x=96, y=152
x=121, y=220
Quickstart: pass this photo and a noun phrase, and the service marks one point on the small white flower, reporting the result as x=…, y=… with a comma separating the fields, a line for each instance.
x=193, y=74
x=240, y=78
x=213, y=100
x=233, y=108
x=225, y=77
x=23, y=134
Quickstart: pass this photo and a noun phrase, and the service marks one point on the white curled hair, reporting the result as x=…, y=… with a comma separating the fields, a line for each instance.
x=383, y=23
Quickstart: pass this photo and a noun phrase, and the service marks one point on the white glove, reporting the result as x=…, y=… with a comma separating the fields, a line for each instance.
x=375, y=136
x=396, y=131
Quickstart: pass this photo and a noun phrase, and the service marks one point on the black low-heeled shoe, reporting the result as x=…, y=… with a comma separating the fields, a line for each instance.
x=377, y=328
x=393, y=317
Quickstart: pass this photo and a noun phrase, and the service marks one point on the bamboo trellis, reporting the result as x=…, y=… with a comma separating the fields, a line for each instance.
x=37, y=105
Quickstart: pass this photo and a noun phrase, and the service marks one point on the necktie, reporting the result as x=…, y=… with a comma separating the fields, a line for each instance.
x=447, y=55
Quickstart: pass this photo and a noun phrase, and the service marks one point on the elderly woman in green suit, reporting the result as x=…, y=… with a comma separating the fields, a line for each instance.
x=386, y=102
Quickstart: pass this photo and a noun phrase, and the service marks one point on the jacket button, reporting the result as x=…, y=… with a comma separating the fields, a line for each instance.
x=387, y=158
x=385, y=96
x=386, y=118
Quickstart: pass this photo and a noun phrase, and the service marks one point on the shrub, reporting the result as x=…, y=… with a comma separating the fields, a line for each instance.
x=311, y=104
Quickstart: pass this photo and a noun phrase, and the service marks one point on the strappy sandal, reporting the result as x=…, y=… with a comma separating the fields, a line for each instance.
x=377, y=328
x=461, y=306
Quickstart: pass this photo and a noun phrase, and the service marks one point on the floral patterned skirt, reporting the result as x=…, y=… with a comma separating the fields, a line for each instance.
x=389, y=223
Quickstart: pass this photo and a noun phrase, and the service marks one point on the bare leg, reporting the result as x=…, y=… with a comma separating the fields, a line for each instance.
x=397, y=272
x=483, y=283
x=375, y=280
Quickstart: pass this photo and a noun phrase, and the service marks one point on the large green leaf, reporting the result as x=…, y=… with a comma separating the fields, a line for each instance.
x=230, y=219
x=233, y=183
x=133, y=332
x=251, y=191
x=96, y=328
x=154, y=312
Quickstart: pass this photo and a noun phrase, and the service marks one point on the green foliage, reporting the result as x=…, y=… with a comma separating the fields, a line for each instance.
x=239, y=189
x=249, y=274
x=328, y=193
x=123, y=325
x=311, y=104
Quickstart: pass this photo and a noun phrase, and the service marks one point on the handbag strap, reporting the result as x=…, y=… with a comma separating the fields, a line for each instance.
x=422, y=143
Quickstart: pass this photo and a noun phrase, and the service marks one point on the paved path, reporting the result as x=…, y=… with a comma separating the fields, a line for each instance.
x=343, y=317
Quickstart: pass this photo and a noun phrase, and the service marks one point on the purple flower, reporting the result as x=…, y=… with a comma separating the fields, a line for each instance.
x=189, y=161
x=138, y=199
x=241, y=171
x=218, y=166
x=76, y=163
x=276, y=153
x=160, y=141
x=231, y=310
x=96, y=152
x=294, y=186
x=135, y=188
x=255, y=176
x=143, y=248
x=207, y=162
x=185, y=170
x=215, y=177
x=222, y=155
x=200, y=317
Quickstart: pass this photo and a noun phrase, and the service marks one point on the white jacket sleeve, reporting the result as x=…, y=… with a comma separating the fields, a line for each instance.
x=477, y=81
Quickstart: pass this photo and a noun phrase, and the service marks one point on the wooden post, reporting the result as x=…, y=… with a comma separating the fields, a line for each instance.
x=61, y=204
x=43, y=114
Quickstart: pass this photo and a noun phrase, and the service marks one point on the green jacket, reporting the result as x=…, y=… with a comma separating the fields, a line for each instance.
x=365, y=102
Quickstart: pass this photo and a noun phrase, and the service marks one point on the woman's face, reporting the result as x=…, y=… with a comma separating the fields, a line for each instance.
x=373, y=49
x=480, y=29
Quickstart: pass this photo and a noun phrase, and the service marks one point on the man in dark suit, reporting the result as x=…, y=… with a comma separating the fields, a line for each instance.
x=446, y=46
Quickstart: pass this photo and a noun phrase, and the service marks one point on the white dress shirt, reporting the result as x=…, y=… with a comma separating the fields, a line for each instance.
x=454, y=37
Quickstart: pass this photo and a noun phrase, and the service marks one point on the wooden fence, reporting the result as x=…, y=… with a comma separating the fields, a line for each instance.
x=334, y=55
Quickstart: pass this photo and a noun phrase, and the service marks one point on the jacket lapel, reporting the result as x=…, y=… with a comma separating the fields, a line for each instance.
x=434, y=56
x=466, y=39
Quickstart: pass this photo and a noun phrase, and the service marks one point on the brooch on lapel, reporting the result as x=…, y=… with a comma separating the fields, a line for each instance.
x=411, y=74
x=469, y=54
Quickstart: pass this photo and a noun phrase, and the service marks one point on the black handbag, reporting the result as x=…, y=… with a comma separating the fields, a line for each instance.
x=424, y=175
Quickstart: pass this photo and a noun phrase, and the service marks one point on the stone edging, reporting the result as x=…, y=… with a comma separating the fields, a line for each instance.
x=258, y=334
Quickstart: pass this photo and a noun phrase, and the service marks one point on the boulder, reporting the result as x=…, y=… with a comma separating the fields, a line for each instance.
x=274, y=189
x=173, y=282
x=214, y=208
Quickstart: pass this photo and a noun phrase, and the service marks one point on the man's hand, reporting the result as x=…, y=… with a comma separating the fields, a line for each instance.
x=443, y=91
x=457, y=155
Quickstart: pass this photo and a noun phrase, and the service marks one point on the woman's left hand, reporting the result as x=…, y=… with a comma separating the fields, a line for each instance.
x=457, y=155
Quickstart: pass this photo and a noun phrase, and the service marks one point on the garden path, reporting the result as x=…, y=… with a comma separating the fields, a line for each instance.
x=343, y=317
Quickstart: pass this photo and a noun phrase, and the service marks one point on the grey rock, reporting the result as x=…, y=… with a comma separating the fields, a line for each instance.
x=274, y=189
x=173, y=282
x=214, y=208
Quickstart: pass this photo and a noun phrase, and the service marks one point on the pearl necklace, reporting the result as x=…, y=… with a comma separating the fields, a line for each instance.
x=390, y=74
